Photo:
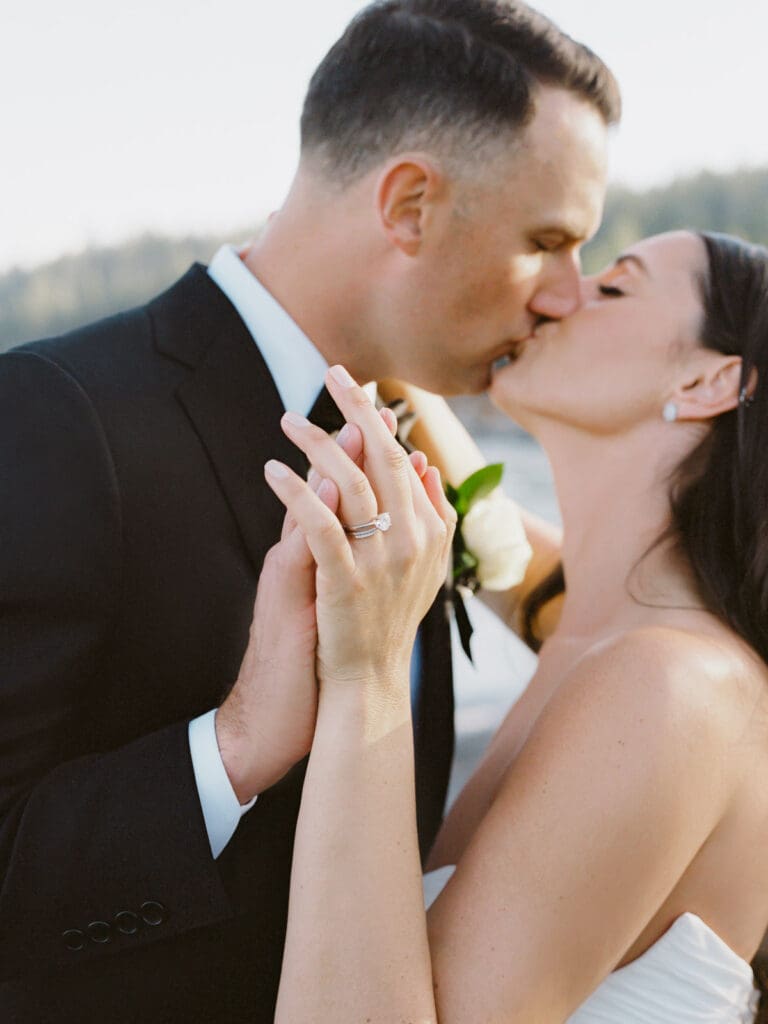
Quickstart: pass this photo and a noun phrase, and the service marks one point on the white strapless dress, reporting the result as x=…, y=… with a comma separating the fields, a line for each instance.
x=688, y=976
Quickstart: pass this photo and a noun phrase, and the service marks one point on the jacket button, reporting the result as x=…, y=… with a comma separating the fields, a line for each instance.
x=74, y=939
x=100, y=932
x=153, y=913
x=126, y=922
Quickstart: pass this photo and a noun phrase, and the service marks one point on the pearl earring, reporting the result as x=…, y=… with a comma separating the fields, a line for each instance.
x=670, y=412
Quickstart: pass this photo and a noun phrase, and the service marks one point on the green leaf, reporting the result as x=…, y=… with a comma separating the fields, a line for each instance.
x=464, y=562
x=451, y=493
x=477, y=486
x=468, y=560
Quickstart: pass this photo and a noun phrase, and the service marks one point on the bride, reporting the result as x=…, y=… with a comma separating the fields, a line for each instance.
x=610, y=850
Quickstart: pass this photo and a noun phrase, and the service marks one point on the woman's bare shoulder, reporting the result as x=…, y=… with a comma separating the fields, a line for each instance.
x=708, y=675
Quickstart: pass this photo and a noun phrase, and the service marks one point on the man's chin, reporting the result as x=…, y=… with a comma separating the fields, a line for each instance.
x=463, y=383
x=465, y=380
x=469, y=386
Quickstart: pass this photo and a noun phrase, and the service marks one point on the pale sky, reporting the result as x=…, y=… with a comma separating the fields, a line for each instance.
x=182, y=115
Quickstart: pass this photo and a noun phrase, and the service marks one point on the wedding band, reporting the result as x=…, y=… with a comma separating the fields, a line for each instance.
x=381, y=522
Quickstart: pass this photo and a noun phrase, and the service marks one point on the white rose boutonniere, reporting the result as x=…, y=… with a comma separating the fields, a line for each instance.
x=490, y=547
x=494, y=534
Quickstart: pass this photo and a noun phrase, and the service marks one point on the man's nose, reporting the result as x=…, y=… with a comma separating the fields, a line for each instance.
x=560, y=291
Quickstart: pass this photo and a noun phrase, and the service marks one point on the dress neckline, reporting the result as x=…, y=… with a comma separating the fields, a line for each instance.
x=686, y=919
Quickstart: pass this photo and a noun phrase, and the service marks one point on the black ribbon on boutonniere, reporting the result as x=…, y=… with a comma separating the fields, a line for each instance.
x=464, y=570
x=463, y=622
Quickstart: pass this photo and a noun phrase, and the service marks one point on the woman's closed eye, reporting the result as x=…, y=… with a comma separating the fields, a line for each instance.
x=610, y=291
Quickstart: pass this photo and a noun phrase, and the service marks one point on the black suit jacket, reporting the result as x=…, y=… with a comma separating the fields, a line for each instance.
x=134, y=520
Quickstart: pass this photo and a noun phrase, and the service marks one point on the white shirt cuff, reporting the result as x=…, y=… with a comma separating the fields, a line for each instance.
x=222, y=810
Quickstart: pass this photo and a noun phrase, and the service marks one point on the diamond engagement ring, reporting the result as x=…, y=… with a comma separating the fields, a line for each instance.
x=381, y=522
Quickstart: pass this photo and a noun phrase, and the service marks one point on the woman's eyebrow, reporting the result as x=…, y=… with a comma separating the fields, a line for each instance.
x=631, y=258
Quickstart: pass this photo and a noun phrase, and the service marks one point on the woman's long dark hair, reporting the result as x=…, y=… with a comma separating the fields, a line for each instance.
x=719, y=493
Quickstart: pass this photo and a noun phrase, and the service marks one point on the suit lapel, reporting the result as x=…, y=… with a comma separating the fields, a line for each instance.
x=231, y=400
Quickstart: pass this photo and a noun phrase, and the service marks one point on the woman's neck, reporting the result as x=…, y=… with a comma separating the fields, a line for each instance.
x=613, y=494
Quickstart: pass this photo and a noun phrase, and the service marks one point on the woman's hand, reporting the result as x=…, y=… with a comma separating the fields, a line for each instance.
x=267, y=722
x=371, y=593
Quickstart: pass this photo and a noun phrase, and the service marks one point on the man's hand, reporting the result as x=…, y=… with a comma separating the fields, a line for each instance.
x=266, y=723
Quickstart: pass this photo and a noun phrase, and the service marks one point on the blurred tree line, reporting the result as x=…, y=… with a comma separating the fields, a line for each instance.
x=735, y=204
x=83, y=287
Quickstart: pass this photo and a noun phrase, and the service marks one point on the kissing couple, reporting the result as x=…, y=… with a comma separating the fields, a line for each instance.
x=217, y=810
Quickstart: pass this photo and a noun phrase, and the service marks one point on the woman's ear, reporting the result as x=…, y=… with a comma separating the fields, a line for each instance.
x=406, y=192
x=712, y=387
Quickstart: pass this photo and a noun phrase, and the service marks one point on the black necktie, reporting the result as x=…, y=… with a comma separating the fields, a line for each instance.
x=325, y=413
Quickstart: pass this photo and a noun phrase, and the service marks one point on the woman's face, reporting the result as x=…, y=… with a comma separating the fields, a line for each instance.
x=616, y=361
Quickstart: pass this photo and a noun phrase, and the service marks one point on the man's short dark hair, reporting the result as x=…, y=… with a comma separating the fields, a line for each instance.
x=451, y=75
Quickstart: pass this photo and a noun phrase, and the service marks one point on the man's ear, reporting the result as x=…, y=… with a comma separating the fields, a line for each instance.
x=712, y=386
x=405, y=197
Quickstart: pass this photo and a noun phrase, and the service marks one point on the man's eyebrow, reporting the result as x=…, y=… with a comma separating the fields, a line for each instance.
x=569, y=232
x=631, y=258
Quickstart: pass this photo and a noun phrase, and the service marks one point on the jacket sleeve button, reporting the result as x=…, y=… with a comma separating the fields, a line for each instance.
x=126, y=922
x=99, y=932
x=153, y=913
x=74, y=939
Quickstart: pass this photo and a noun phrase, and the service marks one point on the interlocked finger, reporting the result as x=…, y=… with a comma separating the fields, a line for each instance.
x=327, y=492
x=320, y=527
x=386, y=463
x=357, y=501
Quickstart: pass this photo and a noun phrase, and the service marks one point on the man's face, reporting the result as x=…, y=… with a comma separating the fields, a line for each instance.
x=504, y=253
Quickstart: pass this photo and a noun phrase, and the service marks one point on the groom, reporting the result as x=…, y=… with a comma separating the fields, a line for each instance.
x=452, y=165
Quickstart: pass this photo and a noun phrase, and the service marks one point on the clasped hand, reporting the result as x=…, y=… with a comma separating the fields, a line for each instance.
x=332, y=610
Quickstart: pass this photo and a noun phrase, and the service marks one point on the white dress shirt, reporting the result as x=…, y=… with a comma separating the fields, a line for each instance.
x=298, y=370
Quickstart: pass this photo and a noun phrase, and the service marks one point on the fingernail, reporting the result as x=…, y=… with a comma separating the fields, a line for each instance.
x=419, y=462
x=341, y=376
x=343, y=435
x=296, y=420
x=276, y=469
x=325, y=490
